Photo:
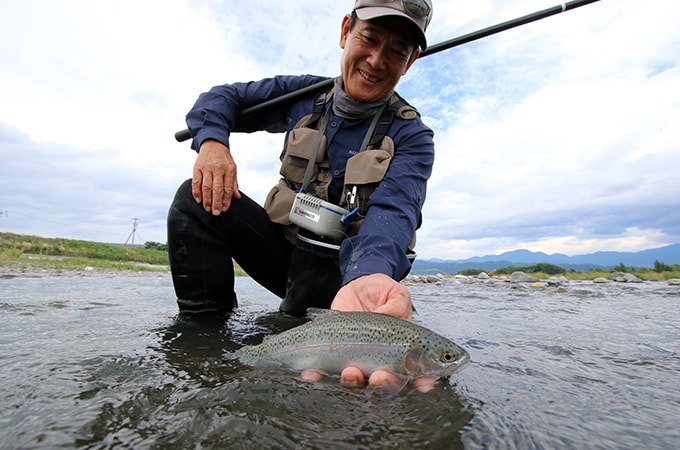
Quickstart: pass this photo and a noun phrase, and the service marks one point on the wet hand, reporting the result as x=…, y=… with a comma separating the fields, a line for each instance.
x=381, y=294
x=380, y=379
x=214, y=180
x=375, y=293
x=384, y=379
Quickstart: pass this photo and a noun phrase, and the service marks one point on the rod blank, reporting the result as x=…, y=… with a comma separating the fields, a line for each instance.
x=325, y=85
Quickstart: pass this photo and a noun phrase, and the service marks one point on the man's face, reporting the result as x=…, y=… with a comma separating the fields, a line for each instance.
x=376, y=54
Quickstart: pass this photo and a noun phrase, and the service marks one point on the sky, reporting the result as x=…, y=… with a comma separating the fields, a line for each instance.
x=560, y=136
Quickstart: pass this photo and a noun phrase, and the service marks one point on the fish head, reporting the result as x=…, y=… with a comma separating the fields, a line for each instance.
x=434, y=355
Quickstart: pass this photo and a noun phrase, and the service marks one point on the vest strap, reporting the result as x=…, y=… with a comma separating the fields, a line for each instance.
x=319, y=104
x=315, y=151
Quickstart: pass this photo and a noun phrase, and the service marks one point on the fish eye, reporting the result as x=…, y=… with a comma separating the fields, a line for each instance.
x=448, y=357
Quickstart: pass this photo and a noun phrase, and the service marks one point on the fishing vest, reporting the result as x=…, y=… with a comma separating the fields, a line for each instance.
x=363, y=171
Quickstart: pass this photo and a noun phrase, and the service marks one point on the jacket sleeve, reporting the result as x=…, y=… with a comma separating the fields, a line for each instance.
x=215, y=113
x=395, y=207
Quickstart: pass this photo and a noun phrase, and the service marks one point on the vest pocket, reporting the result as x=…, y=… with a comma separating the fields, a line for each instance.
x=369, y=166
x=363, y=173
x=278, y=203
x=298, y=152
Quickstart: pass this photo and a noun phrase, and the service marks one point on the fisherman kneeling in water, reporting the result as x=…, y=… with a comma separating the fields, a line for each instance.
x=359, y=146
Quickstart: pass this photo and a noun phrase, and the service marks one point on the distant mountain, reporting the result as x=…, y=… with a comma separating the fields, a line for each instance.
x=604, y=260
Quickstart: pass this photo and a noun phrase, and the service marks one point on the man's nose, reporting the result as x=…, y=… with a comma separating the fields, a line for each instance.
x=377, y=57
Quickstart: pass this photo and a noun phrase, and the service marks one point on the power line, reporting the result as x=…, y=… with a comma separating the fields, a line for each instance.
x=135, y=226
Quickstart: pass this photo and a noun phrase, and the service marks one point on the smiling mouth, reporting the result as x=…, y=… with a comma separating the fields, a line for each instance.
x=368, y=77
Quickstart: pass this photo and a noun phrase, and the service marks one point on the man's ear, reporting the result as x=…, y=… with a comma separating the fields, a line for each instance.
x=344, y=30
x=414, y=56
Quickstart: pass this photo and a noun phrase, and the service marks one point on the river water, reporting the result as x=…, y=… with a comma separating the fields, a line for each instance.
x=102, y=361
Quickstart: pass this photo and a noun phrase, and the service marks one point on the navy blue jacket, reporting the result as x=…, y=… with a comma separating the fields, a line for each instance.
x=395, y=207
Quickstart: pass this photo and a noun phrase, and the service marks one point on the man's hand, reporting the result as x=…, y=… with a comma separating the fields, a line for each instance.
x=374, y=293
x=214, y=180
x=381, y=294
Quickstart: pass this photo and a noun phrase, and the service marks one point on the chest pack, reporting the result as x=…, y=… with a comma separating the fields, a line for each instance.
x=306, y=171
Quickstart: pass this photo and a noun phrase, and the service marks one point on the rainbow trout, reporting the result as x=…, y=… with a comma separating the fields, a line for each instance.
x=333, y=340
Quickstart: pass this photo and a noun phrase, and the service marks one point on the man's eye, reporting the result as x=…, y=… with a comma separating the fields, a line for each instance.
x=400, y=54
x=367, y=38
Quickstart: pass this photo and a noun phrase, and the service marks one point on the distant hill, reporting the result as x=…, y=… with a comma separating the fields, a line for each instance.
x=581, y=263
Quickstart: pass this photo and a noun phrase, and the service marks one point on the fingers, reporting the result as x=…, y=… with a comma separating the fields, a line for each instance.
x=425, y=384
x=235, y=192
x=220, y=198
x=385, y=380
x=206, y=191
x=313, y=375
x=196, y=183
x=209, y=189
x=214, y=180
x=397, y=308
x=352, y=377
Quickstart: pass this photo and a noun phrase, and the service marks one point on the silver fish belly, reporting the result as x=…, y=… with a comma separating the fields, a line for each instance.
x=369, y=341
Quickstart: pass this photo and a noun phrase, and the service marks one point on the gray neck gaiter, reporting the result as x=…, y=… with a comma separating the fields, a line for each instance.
x=348, y=108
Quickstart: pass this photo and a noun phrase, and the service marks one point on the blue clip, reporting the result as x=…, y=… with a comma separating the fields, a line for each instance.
x=350, y=216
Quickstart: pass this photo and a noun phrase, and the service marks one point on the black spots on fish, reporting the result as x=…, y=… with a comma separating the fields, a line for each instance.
x=424, y=342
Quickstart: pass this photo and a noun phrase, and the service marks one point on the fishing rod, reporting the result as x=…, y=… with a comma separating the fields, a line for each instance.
x=254, y=111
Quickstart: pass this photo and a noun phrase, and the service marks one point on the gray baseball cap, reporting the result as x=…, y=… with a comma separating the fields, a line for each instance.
x=417, y=11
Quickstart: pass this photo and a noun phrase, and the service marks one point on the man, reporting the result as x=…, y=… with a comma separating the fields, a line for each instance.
x=372, y=156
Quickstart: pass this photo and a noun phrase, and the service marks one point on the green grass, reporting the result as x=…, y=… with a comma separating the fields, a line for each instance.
x=80, y=249
x=647, y=274
x=24, y=253
x=590, y=275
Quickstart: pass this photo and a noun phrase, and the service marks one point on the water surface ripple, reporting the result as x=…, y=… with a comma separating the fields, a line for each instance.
x=102, y=361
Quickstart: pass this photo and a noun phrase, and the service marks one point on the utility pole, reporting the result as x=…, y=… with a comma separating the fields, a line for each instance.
x=135, y=224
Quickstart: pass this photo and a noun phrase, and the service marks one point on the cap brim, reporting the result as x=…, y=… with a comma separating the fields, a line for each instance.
x=372, y=12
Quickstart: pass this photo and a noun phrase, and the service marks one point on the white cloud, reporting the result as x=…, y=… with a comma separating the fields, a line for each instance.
x=558, y=136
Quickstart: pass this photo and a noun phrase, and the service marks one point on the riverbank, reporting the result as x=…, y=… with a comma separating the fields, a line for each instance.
x=522, y=279
x=38, y=264
x=22, y=254
x=34, y=254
